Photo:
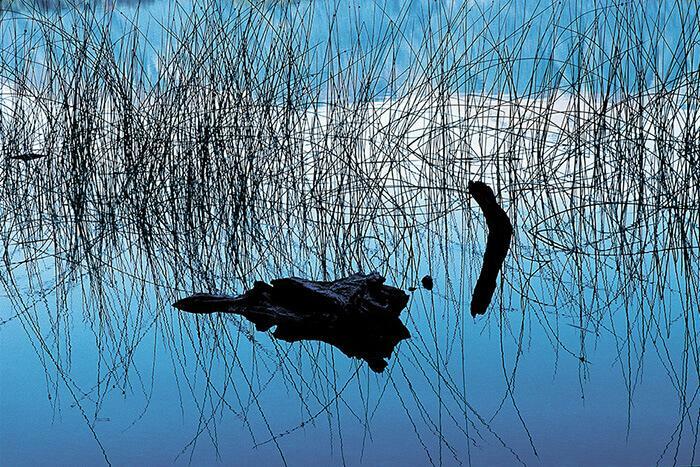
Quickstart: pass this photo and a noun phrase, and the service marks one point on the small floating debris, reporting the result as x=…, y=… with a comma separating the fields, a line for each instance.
x=497, y=245
x=427, y=282
x=357, y=314
x=28, y=156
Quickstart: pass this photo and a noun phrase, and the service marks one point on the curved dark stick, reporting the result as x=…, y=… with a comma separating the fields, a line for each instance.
x=497, y=245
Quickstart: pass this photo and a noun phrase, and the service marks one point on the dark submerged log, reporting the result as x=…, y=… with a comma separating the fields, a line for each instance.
x=28, y=156
x=497, y=245
x=357, y=314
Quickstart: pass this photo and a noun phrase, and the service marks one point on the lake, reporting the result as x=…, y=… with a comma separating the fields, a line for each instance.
x=153, y=150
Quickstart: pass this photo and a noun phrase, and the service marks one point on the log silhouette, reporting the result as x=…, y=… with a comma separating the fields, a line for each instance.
x=28, y=156
x=357, y=314
x=497, y=245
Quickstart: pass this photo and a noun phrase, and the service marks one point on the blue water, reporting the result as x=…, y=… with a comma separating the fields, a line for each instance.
x=588, y=354
x=495, y=47
x=158, y=384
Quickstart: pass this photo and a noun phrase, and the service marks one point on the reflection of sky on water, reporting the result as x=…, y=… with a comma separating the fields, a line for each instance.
x=588, y=349
x=576, y=413
x=472, y=40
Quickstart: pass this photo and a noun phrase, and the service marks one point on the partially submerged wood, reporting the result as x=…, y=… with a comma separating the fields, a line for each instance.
x=497, y=245
x=358, y=314
x=28, y=156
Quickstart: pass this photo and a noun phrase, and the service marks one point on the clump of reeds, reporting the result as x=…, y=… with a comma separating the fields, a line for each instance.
x=231, y=141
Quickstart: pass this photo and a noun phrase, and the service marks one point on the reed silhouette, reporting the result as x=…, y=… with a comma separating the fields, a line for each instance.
x=227, y=142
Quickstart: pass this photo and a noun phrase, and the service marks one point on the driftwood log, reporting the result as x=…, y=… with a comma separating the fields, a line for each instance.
x=358, y=314
x=497, y=245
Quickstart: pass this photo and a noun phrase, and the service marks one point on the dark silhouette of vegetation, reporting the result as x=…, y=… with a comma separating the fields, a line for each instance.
x=227, y=141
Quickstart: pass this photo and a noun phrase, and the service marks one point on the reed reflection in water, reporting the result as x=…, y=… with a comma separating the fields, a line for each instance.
x=237, y=167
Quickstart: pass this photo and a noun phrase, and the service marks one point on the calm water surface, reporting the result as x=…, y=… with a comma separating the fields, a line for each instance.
x=588, y=354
